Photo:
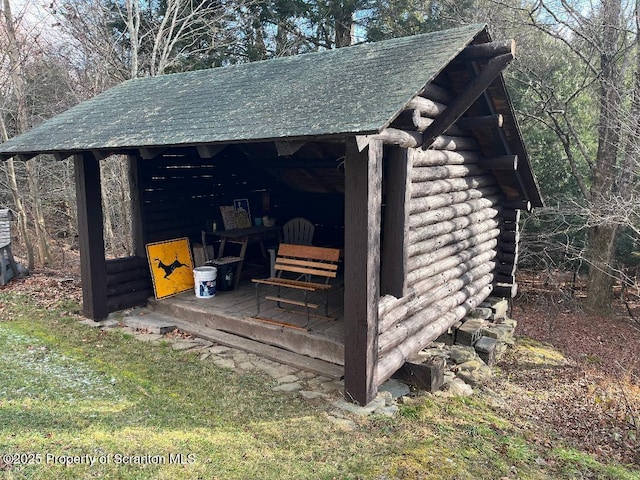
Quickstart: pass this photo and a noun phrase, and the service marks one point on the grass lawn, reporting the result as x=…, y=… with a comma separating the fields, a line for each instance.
x=80, y=403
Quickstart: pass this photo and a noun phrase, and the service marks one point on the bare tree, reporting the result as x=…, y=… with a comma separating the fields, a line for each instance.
x=598, y=50
x=134, y=38
x=17, y=53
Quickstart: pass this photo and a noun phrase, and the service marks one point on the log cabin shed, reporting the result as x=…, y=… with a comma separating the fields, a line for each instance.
x=405, y=153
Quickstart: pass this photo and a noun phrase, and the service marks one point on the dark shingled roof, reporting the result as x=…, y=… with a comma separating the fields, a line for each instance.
x=359, y=89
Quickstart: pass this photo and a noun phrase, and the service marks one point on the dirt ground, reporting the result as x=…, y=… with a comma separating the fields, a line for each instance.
x=588, y=393
x=591, y=396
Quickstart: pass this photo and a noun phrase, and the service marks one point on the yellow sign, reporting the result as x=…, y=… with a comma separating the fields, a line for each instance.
x=171, y=267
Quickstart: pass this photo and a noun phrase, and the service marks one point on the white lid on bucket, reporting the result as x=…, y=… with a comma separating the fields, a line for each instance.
x=205, y=269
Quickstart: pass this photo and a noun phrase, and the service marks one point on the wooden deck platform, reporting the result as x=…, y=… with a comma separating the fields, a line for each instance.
x=233, y=312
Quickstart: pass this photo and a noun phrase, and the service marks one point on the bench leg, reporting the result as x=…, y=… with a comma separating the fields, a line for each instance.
x=326, y=303
x=279, y=290
x=306, y=304
x=257, y=300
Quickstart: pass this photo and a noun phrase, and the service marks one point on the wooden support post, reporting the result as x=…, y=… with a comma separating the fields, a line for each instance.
x=138, y=232
x=393, y=275
x=90, y=237
x=461, y=104
x=363, y=185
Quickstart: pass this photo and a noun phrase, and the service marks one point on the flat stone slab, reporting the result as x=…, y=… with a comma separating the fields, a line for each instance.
x=275, y=371
x=481, y=312
x=357, y=409
x=149, y=337
x=218, y=349
x=462, y=353
x=147, y=322
x=225, y=363
x=103, y=324
x=311, y=395
x=288, y=379
x=181, y=345
x=288, y=387
x=396, y=388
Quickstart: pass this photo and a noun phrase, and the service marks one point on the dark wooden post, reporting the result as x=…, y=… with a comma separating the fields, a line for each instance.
x=363, y=180
x=397, y=171
x=91, y=238
x=137, y=208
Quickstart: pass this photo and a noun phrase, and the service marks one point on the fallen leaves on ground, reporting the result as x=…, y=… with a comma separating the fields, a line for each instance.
x=592, y=395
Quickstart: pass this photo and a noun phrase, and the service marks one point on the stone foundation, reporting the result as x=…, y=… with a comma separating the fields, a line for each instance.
x=468, y=351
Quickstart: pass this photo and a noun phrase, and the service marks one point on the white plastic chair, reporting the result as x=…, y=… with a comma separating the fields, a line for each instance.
x=298, y=231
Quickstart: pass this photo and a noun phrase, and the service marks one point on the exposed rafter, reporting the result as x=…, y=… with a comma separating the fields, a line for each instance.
x=484, y=51
x=501, y=162
x=62, y=155
x=151, y=153
x=210, y=151
x=286, y=149
x=462, y=102
x=486, y=121
x=100, y=154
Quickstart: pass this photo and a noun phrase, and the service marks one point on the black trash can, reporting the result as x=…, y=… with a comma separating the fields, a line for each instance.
x=225, y=279
x=226, y=274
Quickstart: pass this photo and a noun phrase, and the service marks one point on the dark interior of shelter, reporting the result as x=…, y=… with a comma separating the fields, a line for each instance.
x=182, y=193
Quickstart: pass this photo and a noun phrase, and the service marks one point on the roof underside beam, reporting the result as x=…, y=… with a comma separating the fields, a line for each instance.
x=463, y=101
x=485, y=51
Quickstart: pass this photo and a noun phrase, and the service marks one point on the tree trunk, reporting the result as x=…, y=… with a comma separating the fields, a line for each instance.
x=601, y=278
x=602, y=233
x=21, y=212
x=343, y=23
x=38, y=215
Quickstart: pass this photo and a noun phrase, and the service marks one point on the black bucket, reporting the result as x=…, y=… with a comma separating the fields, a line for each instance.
x=226, y=274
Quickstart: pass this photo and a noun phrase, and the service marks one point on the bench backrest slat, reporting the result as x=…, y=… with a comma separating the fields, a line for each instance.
x=307, y=271
x=308, y=260
x=309, y=252
x=285, y=261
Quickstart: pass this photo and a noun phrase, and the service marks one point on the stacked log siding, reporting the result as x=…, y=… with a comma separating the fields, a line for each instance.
x=456, y=229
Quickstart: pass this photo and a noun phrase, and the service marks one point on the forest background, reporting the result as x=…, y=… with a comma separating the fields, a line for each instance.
x=575, y=85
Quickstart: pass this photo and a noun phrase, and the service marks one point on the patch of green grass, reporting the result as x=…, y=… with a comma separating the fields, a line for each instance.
x=67, y=390
x=570, y=463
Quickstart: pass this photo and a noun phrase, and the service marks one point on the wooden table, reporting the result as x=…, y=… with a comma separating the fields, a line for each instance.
x=242, y=237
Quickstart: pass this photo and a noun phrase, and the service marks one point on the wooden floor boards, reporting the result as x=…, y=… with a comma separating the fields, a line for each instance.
x=232, y=311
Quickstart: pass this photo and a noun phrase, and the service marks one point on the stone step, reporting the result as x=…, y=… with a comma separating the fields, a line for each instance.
x=151, y=321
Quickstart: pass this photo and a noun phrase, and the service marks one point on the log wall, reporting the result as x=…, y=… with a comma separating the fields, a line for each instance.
x=128, y=283
x=462, y=241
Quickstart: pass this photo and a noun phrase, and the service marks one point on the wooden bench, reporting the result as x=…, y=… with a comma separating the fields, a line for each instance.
x=302, y=268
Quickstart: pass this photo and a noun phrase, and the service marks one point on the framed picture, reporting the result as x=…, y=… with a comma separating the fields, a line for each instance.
x=229, y=217
x=241, y=204
x=171, y=267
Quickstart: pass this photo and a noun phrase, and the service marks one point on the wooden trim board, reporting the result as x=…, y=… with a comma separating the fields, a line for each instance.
x=330, y=370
